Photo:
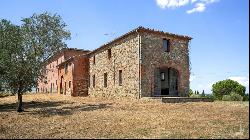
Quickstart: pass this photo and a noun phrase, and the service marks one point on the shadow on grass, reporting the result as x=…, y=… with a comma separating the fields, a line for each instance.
x=48, y=108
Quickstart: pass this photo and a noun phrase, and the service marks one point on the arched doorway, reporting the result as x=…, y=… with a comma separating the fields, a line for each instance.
x=168, y=81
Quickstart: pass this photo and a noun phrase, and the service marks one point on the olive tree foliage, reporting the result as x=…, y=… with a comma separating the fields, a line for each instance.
x=26, y=48
x=226, y=87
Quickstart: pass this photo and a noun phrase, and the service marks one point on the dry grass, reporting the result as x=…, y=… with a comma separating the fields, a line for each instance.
x=55, y=116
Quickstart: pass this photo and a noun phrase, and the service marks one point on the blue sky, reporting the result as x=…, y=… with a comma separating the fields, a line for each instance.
x=220, y=29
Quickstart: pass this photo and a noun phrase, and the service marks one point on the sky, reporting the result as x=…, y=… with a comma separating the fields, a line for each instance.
x=219, y=49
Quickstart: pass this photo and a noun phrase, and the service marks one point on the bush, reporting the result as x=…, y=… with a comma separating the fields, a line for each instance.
x=226, y=98
x=246, y=97
x=190, y=92
x=195, y=96
x=210, y=96
x=232, y=97
x=236, y=97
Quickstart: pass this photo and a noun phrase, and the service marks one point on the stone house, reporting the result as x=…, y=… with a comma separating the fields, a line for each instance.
x=141, y=63
x=49, y=84
x=73, y=75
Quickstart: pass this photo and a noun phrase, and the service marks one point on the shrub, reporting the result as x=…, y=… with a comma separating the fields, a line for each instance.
x=232, y=97
x=190, y=92
x=246, y=97
x=226, y=98
x=195, y=96
x=210, y=96
x=236, y=97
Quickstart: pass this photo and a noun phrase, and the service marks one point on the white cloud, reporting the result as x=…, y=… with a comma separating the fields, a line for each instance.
x=192, y=77
x=244, y=80
x=192, y=1
x=171, y=3
x=241, y=79
x=199, y=7
x=208, y=1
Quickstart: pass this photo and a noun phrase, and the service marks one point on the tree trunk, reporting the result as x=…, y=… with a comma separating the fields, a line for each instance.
x=20, y=103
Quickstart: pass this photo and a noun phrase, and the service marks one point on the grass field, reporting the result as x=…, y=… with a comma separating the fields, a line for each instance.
x=55, y=116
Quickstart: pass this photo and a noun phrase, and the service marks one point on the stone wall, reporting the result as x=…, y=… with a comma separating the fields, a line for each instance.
x=154, y=58
x=125, y=57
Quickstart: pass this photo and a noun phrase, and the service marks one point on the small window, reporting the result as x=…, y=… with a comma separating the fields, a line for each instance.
x=89, y=80
x=105, y=79
x=163, y=76
x=66, y=68
x=69, y=84
x=93, y=77
x=56, y=82
x=94, y=59
x=109, y=53
x=120, y=77
x=166, y=45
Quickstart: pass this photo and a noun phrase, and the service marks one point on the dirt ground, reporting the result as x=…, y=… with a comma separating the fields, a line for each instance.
x=58, y=116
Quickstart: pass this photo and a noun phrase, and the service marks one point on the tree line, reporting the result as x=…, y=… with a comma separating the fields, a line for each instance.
x=227, y=90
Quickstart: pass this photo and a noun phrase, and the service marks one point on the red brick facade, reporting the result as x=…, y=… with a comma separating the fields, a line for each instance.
x=73, y=76
x=50, y=82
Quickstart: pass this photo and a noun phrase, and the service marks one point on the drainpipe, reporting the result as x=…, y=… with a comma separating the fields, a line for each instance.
x=139, y=61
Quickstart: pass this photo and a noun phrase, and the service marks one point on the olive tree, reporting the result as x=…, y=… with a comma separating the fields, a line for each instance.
x=26, y=48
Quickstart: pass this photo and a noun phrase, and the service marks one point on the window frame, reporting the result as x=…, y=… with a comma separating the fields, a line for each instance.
x=120, y=78
x=66, y=68
x=166, y=47
x=105, y=79
x=93, y=80
x=94, y=60
x=109, y=53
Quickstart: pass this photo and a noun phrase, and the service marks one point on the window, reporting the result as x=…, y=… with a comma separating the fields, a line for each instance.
x=94, y=59
x=166, y=45
x=89, y=80
x=109, y=53
x=163, y=76
x=69, y=84
x=120, y=77
x=105, y=79
x=93, y=77
x=66, y=68
x=56, y=82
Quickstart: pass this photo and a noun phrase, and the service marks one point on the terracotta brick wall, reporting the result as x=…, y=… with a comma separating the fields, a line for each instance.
x=81, y=76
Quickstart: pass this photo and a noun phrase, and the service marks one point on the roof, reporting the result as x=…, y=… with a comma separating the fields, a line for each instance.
x=71, y=59
x=136, y=30
x=65, y=49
